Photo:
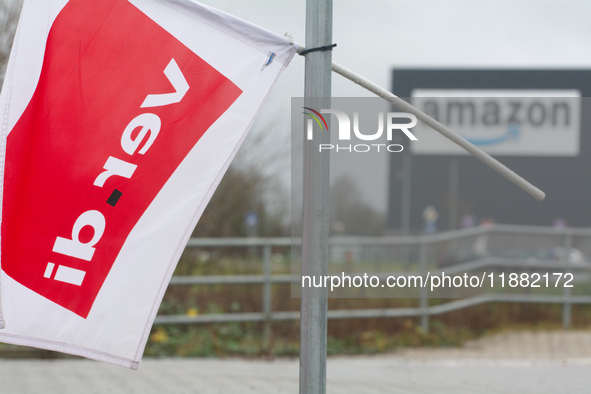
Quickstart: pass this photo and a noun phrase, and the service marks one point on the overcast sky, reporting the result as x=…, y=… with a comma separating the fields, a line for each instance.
x=373, y=36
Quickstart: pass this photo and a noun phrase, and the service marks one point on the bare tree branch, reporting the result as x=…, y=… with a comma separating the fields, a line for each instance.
x=9, y=14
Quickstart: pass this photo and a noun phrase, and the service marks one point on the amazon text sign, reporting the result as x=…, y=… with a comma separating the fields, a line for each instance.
x=501, y=122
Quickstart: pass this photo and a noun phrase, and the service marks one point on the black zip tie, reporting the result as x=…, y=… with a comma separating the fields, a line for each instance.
x=323, y=48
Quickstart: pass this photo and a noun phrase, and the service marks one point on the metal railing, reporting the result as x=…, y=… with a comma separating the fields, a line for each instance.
x=565, y=238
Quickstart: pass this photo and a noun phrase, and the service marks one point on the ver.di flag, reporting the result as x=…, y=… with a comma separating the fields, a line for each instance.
x=119, y=118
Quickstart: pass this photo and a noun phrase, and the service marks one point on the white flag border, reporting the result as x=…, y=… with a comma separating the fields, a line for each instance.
x=104, y=356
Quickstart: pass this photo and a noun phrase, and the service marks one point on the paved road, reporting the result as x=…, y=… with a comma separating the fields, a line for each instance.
x=541, y=363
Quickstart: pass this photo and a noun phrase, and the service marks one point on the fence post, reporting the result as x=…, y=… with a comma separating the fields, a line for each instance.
x=424, y=294
x=566, y=291
x=267, y=294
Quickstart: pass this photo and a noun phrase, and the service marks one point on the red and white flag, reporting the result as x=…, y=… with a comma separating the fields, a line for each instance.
x=119, y=119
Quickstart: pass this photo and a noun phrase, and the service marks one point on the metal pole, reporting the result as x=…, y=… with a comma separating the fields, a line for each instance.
x=406, y=192
x=454, y=177
x=313, y=323
x=443, y=130
x=406, y=200
x=267, y=294
x=424, y=300
x=566, y=291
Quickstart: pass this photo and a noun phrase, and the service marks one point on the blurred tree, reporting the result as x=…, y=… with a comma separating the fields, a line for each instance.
x=9, y=14
x=242, y=190
x=251, y=184
x=349, y=214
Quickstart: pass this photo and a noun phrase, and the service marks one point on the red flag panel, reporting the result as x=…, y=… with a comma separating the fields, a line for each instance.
x=101, y=135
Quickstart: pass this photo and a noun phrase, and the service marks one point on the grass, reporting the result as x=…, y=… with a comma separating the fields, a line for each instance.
x=245, y=340
x=348, y=336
